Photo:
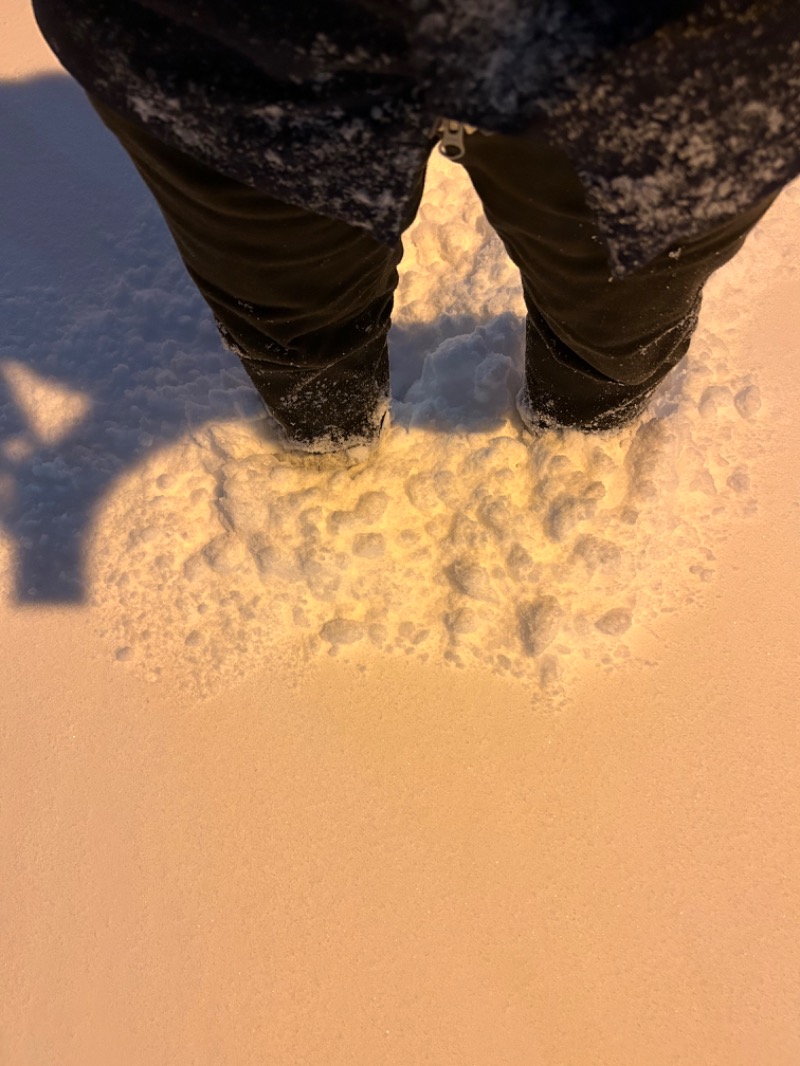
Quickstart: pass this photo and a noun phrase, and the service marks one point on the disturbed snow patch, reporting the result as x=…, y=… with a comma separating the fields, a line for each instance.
x=463, y=538
x=485, y=548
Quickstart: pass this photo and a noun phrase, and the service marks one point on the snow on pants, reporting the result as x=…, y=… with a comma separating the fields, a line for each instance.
x=305, y=301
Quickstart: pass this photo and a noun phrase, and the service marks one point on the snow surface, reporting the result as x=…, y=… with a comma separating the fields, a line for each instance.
x=368, y=858
x=139, y=473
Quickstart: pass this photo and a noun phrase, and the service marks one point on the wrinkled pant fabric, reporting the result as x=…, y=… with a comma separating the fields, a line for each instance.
x=305, y=301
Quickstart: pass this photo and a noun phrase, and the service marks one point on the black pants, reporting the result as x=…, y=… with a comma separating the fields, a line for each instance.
x=305, y=301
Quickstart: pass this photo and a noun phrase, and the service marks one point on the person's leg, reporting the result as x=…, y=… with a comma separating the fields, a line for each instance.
x=597, y=346
x=303, y=300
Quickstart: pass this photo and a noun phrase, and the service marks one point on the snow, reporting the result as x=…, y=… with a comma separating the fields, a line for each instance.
x=488, y=700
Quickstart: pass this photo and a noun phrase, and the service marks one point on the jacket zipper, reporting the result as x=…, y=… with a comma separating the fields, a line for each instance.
x=451, y=137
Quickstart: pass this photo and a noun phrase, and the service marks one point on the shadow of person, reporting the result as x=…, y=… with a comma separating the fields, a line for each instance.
x=108, y=352
x=106, y=349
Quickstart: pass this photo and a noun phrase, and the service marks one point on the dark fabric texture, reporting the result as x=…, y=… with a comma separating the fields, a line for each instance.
x=305, y=301
x=677, y=114
x=597, y=345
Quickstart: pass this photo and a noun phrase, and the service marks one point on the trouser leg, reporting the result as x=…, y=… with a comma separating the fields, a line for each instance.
x=304, y=301
x=596, y=346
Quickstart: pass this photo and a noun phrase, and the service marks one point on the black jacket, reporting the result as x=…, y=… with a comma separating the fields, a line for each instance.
x=677, y=116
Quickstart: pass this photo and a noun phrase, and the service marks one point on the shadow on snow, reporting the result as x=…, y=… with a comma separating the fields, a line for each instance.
x=107, y=351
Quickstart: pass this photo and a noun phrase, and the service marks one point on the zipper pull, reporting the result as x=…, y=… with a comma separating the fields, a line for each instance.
x=451, y=144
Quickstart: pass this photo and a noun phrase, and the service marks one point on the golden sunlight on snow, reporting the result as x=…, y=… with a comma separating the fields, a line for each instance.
x=51, y=409
x=375, y=859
